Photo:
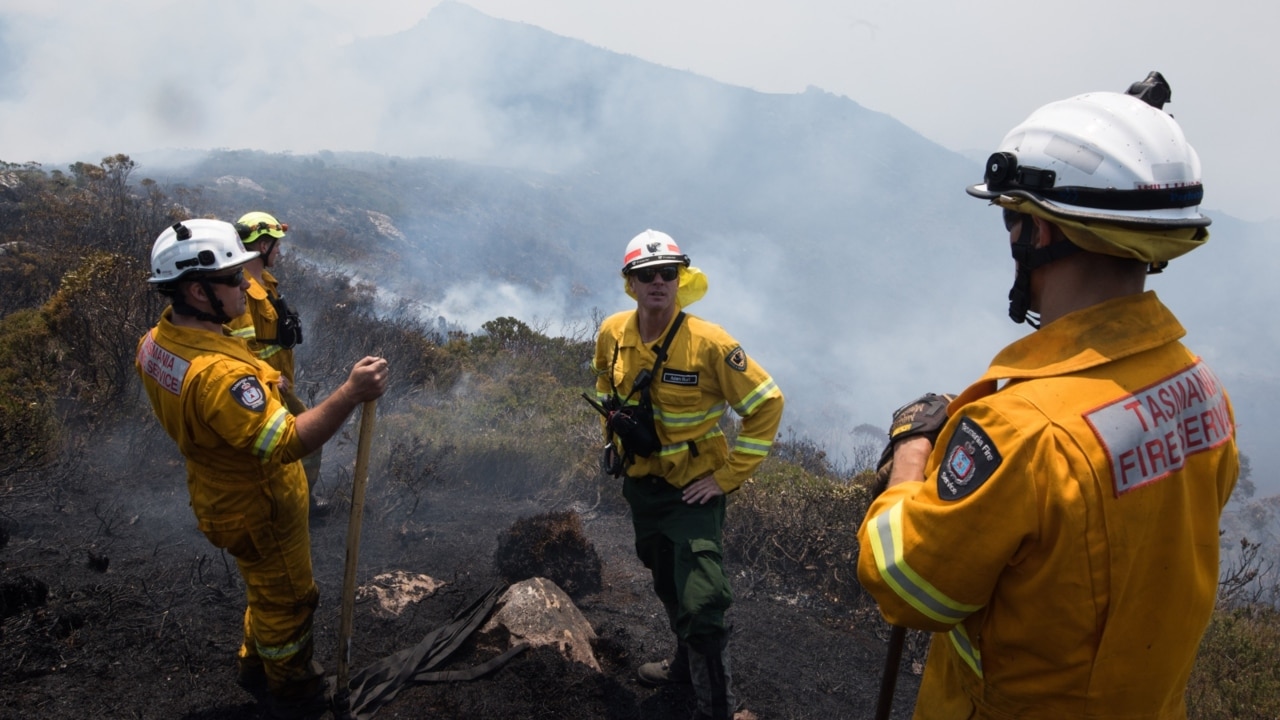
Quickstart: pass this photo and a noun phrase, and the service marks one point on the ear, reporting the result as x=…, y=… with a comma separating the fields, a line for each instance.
x=195, y=293
x=1046, y=232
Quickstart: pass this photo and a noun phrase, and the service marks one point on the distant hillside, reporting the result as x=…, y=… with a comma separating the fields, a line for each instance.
x=513, y=165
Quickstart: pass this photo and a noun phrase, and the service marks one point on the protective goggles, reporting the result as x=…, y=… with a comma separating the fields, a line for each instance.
x=1011, y=218
x=235, y=279
x=666, y=272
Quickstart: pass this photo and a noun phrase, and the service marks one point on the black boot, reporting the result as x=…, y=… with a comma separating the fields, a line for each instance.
x=666, y=672
x=252, y=677
x=712, y=677
x=302, y=699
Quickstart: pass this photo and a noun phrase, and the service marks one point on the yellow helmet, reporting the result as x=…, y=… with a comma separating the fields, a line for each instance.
x=254, y=225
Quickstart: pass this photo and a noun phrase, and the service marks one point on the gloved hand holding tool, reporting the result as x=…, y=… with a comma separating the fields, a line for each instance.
x=922, y=417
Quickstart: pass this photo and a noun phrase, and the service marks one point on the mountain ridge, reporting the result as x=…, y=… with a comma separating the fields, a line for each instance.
x=840, y=245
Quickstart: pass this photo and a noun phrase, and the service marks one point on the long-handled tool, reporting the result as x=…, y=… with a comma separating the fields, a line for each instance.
x=358, y=483
x=897, y=636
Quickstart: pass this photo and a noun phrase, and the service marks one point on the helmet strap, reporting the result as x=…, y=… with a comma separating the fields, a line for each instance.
x=266, y=256
x=1029, y=257
x=182, y=307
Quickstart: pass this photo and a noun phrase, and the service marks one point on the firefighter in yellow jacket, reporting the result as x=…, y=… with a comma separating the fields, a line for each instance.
x=1061, y=538
x=270, y=326
x=678, y=467
x=222, y=406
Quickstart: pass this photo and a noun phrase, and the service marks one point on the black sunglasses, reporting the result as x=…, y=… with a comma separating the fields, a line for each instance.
x=1012, y=218
x=234, y=280
x=646, y=275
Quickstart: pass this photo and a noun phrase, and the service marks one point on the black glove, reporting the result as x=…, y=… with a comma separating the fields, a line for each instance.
x=923, y=417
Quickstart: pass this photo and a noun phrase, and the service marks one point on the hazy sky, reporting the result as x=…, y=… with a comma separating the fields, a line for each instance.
x=959, y=73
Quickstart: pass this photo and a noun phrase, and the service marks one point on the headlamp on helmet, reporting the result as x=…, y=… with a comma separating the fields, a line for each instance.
x=1102, y=156
x=252, y=226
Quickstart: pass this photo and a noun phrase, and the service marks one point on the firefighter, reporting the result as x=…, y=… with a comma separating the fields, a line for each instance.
x=271, y=327
x=1061, y=537
x=678, y=470
x=223, y=407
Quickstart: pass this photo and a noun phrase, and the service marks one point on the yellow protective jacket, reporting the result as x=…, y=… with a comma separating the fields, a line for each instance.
x=1064, y=542
x=222, y=406
x=259, y=321
x=706, y=372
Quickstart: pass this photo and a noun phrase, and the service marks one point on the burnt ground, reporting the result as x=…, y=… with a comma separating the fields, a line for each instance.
x=114, y=606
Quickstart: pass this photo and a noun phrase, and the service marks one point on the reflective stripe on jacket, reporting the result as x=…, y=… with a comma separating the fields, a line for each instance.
x=222, y=407
x=260, y=321
x=705, y=373
x=1064, y=542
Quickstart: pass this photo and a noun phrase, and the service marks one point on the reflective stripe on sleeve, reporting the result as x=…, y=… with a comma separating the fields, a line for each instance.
x=268, y=351
x=752, y=446
x=269, y=437
x=968, y=653
x=753, y=399
x=886, y=543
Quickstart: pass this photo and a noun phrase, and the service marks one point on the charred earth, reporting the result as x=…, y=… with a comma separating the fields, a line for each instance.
x=114, y=606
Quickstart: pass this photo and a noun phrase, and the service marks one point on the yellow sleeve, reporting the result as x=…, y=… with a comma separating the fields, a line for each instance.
x=932, y=551
x=244, y=409
x=757, y=399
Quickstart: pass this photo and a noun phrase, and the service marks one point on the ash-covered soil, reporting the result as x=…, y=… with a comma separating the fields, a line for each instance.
x=114, y=606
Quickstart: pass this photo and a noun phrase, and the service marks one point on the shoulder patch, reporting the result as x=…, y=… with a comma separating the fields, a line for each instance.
x=970, y=460
x=249, y=393
x=737, y=359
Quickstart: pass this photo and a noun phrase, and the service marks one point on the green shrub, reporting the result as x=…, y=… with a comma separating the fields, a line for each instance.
x=798, y=532
x=1236, y=675
x=28, y=369
x=101, y=309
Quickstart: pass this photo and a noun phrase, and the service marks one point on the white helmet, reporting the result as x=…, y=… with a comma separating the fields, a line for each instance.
x=1106, y=156
x=196, y=246
x=652, y=247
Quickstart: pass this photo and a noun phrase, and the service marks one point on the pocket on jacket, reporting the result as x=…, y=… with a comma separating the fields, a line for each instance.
x=231, y=533
x=677, y=398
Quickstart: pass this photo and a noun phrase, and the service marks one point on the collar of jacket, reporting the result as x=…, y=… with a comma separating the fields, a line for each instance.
x=195, y=342
x=261, y=290
x=1089, y=337
x=631, y=332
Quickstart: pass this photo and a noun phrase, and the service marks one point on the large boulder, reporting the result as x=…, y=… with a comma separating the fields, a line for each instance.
x=538, y=612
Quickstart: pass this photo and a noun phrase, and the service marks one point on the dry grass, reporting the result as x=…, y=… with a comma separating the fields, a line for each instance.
x=1236, y=676
x=797, y=534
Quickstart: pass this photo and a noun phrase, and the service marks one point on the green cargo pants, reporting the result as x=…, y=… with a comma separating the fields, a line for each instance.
x=681, y=546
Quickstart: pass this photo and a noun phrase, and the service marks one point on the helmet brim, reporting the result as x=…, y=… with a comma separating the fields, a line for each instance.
x=657, y=261
x=1167, y=217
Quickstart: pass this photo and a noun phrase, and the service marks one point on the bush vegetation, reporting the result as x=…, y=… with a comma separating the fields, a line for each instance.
x=498, y=410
